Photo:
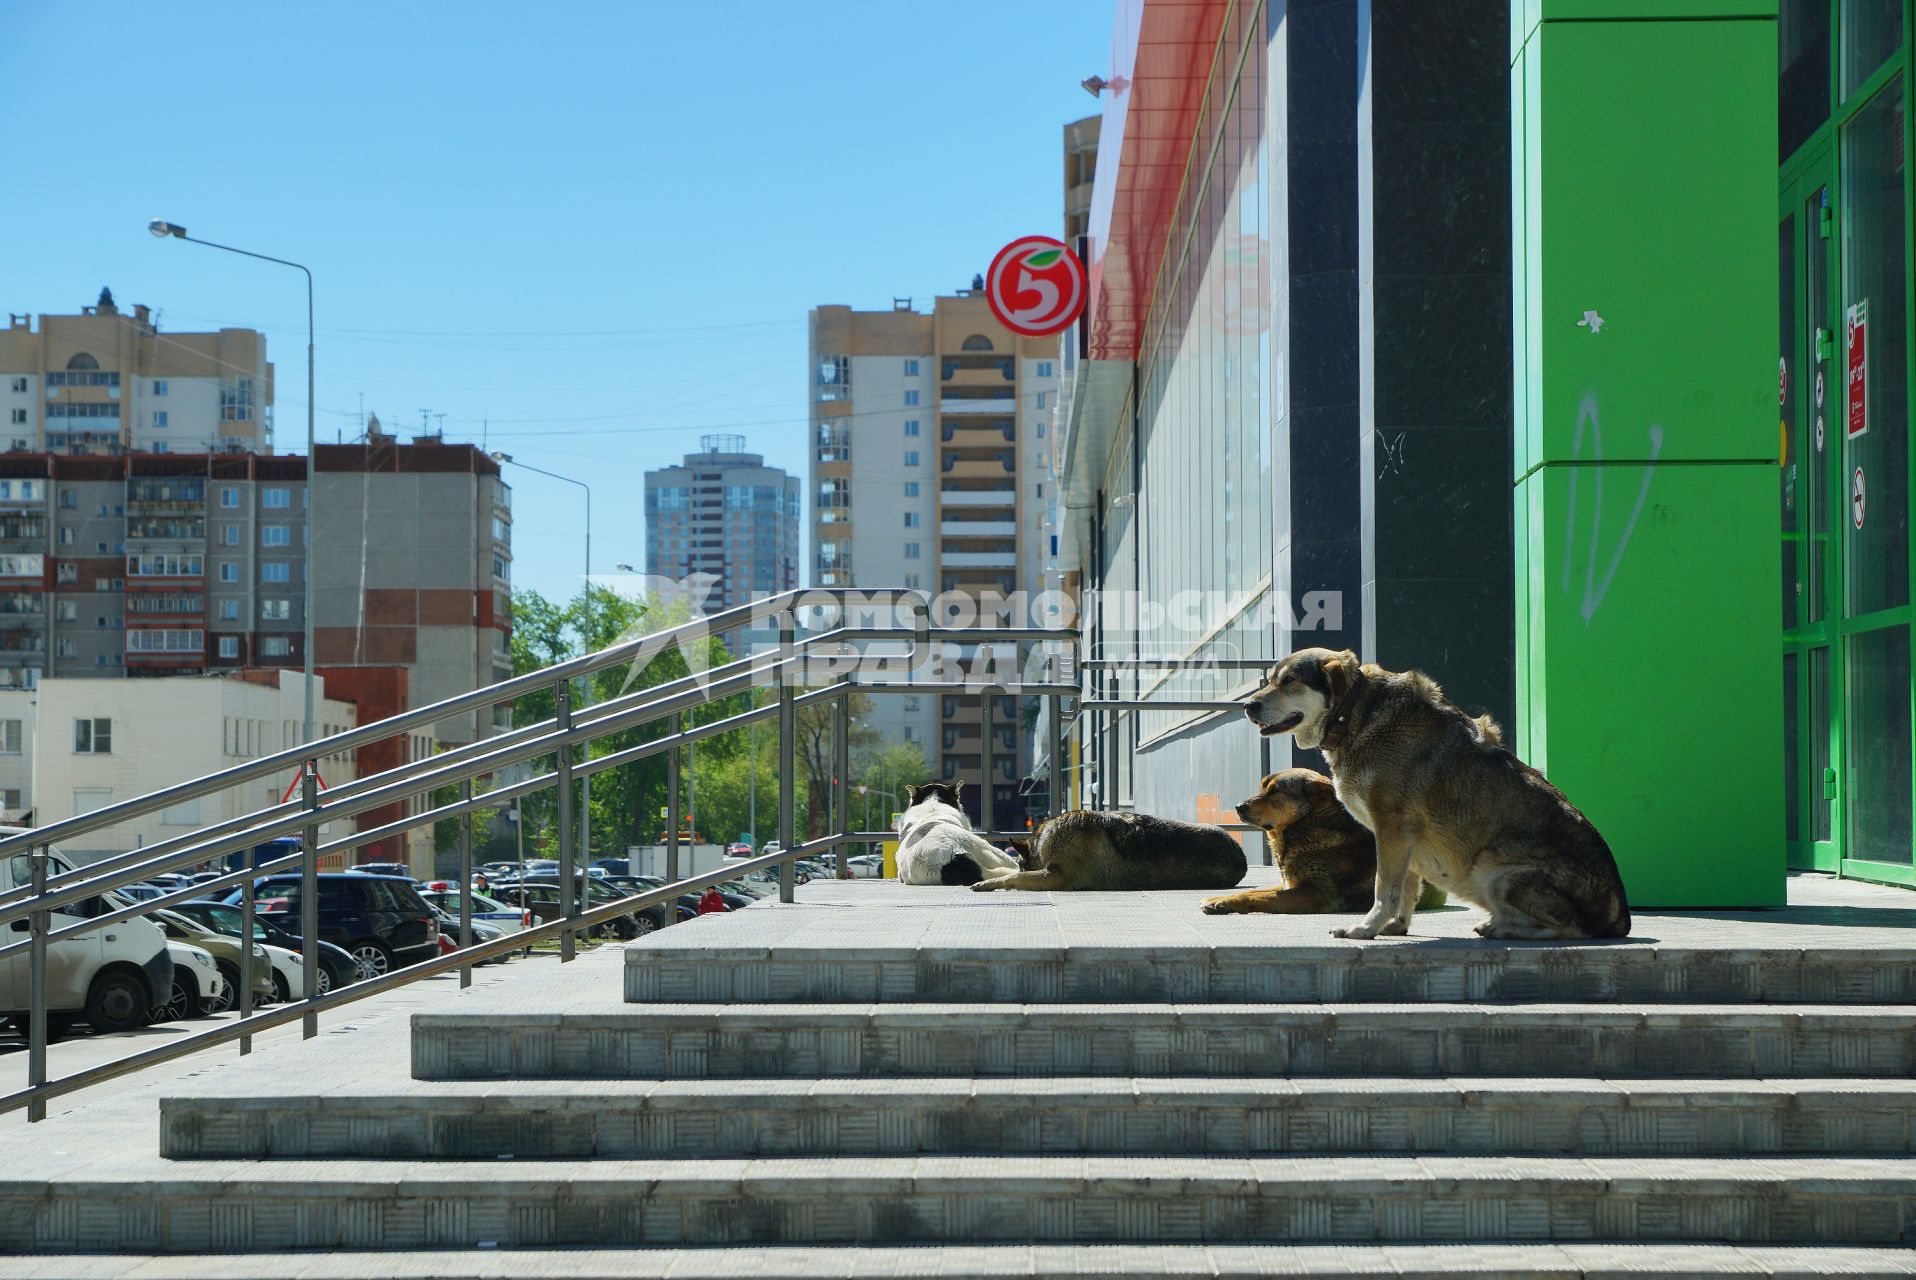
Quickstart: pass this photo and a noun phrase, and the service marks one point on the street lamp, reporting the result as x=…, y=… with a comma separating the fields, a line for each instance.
x=585, y=814
x=172, y=230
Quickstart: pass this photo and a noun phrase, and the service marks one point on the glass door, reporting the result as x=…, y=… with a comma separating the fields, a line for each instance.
x=1808, y=451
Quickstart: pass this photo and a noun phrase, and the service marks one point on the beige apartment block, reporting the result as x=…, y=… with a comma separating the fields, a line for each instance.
x=108, y=382
x=73, y=746
x=930, y=437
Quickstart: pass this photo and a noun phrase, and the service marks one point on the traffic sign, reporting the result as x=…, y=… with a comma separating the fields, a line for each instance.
x=1036, y=286
x=294, y=785
x=1858, y=498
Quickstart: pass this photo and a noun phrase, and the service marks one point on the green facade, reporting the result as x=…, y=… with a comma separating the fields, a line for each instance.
x=1646, y=437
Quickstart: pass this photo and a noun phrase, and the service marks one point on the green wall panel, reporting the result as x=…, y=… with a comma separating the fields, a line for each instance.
x=1653, y=660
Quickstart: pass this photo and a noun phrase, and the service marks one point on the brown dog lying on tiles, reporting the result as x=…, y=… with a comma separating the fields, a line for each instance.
x=1087, y=849
x=1328, y=859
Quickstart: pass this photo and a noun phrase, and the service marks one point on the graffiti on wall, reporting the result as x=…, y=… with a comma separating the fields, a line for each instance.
x=1589, y=421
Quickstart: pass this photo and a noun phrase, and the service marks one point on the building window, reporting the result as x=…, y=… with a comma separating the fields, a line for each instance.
x=19, y=417
x=275, y=647
x=1041, y=431
x=500, y=569
x=911, y=426
x=19, y=386
x=911, y=488
x=229, y=646
x=68, y=499
x=166, y=640
x=66, y=610
x=66, y=535
x=276, y=535
x=911, y=457
x=229, y=572
x=10, y=737
x=65, y=649
x=1040, y=403
x=275, y=571
x=275, y=610
x=911, y=581
x=911, y=551
x=229, y=497
x=159, y=386
x=276, y=498
x=911, y=368
x=229, y=535
x=229, y=609
x=93, y=736
x=1044, y=368
x=160, y=446
x=159, y=418
x=160, y=565
x=911, y=519
x=911, y=397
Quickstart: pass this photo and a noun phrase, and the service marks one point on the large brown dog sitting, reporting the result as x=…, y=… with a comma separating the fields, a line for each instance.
x=1328, y=859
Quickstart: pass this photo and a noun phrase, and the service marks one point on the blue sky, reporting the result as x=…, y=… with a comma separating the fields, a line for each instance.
x=597, y=227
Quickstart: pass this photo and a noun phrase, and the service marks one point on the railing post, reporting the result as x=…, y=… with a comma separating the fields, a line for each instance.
x=841, y=781
x=1056, y=782
x=465, y=880
x=1108, y=775
x=246, y=947
x=562, y=766
x=672, y=813
x=37, y=998
x=309, y=899
x=987, y=797
x=787, y=764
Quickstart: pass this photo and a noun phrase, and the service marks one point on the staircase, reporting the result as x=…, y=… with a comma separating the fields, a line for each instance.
x=884, y=1080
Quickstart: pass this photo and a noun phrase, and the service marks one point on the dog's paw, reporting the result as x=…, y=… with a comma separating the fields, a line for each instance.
x=1356, y=931
x=1394, y=928
x=985, y=886
x=1216, y=907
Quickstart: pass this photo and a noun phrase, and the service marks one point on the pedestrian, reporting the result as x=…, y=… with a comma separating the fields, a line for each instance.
x=480, y=884
x=712, y=902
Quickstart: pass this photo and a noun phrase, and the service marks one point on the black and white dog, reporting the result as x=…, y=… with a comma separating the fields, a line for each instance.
x=936, y=844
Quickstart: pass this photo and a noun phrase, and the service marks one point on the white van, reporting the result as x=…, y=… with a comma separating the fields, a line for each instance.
x=111, y=977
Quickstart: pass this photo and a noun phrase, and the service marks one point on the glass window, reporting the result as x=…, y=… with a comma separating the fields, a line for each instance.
x=1872, y=32
x=911, y=368
x=275, y=571
x=159, y=386
x=276, y=498
x=93, y=736
x=1803, y=76
x=229, y=497
x=1874, y=330
x=911, y=397
x=1877, y=736
x=276, y=535
x=911, y=457
x=229, y=646
x=911, y=426
x=10, y=737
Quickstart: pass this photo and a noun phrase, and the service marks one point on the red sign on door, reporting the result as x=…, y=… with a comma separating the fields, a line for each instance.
x=1035, y=286
x=1857, y=351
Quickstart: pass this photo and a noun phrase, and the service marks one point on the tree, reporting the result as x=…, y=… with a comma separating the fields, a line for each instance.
x=815, y=754
x=885, y=770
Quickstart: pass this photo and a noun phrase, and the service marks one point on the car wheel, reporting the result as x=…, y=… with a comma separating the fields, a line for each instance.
x=183, y=1001
x=116, y=1002
x=641, y=925
x=324, y=983
x=372, y=959
x=280, y=991
x=228, y=999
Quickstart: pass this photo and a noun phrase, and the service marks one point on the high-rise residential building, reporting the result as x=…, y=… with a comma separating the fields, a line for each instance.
x=1080, y=174
x=181, y=564
x=104, y=382
x=929, y=431
x=722, y=527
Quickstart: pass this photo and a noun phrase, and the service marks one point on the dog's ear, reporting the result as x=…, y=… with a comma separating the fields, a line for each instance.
x=1320, y=790
x=958, y=794
x=911, y=795
x=1341, y=672
x=1021, y=846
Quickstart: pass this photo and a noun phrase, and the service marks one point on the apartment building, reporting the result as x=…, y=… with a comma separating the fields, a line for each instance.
x=930, y=432
x=104, y=382
x=723, y=524
x=1080, y=174
x=72, y=746
x=183, y=564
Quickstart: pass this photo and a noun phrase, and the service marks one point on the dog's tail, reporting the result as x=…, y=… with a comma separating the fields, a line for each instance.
x=962, y=869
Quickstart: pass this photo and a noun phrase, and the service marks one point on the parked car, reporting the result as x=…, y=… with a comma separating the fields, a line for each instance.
x=738, y=849
x=225, y=950
x=380, y=920
x=866, y=866
x=750, y=892
x=336, y=967
x=485, y=909
x=196, y=990
x=110, y=977
x=482, y=932
x=399, y=869
x=140, y=892
x=545, y=903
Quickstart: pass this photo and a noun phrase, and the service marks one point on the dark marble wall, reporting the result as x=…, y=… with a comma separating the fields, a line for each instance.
x=1320, y=290
x=1433, y=147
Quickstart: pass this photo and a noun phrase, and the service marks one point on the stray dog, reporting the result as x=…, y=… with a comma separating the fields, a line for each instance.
x=1446, y=801
x=936, y=844
x=1091, y=850
x=1327, y=858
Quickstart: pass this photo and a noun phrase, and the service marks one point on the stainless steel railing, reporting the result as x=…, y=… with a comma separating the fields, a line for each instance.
x=557, y=739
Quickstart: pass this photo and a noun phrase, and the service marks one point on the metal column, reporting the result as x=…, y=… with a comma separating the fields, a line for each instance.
x=37, y=998
x=246, y=947
x=1056, y=780
x=987, y=807
x=568, y=873
x=787, y=764
x=309, y=899
x=672, y=812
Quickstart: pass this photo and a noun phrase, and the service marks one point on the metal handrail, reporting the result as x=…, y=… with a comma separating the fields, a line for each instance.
x=558, y=738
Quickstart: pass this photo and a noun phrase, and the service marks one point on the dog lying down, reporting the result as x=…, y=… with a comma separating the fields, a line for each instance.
x=936, y=844
x=1125, y=851
x=1327, y=859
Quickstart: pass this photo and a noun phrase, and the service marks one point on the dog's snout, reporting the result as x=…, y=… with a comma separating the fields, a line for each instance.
x=1250, y=707
x=1244, y=811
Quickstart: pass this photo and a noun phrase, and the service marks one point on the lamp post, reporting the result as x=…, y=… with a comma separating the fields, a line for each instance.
x=164, y=230
x=585, y=812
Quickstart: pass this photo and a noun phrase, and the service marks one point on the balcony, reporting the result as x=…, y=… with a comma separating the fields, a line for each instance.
x=153, y=530
x=169, y=494
x=1002, y=406
x=977, y=435
x=23, y=642
x=978, y=497
x=22, y=604
x=954, y=372
x=23, y=529
x=978, y=528
x=991, y=466
x=979, y=559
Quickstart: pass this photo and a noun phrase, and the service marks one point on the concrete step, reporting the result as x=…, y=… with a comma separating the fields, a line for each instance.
x=1005, y=1262
x=616, y=1041
x=998, y=1116
x=721, y=969
x=209, y=1206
